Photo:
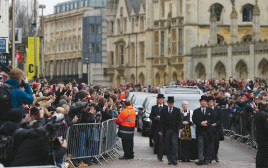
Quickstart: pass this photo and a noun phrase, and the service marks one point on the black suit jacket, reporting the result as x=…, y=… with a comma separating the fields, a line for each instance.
x=173, y=121
x=199, y=117
x=156, y=125
x=217, y=115
x=218, y=129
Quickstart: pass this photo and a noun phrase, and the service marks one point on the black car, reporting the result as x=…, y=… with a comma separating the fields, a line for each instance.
x=143, y=120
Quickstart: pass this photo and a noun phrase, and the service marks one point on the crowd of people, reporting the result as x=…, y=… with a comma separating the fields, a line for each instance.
x=31, y=115
x=30, y=119
x=189, y=135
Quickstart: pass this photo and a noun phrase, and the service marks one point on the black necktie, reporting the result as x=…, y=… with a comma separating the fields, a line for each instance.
x=160, y=108
x=170, y=111
x=204, y=111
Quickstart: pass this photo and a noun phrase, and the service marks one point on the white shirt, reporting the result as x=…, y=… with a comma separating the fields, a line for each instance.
x=160, y=105
x=203, y=110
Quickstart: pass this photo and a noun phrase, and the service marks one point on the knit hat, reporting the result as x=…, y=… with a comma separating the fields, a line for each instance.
x=35, y=85
x=14, y=115
x=62, y=102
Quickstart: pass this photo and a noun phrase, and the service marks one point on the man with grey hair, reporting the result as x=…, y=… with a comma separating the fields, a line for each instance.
x=188, y=147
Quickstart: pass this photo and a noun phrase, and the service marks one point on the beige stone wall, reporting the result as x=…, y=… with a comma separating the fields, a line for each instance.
x=66, y=25
x=193, y=17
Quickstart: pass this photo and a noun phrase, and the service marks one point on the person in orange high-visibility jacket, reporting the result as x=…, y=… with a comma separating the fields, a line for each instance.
x=122, y=96
x=126, y=121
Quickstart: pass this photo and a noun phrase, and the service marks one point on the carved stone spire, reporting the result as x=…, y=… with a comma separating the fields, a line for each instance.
x=256, y=22
x=213, y=27
x=233, y=26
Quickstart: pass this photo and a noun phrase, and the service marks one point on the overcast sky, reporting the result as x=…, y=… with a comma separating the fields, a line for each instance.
x=49, y=5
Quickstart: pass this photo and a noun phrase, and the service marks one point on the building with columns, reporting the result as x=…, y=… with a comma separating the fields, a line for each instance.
x=160, y=41
x=66, y=43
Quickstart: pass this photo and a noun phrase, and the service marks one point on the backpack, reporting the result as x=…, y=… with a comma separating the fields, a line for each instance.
x=6, y=143
x=5, y=100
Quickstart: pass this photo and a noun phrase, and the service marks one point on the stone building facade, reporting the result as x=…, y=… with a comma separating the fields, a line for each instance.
x=238, y=50
x=181, y=39
x=63, y=45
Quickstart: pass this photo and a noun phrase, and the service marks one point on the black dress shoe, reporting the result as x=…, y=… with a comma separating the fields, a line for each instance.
x=183, y=160
x=199, y=162
x=175, y=163
x=160, y=159
x=207, y=161
x=188, y=160
x=169, y=163
x=217, y=159
x=124, y=158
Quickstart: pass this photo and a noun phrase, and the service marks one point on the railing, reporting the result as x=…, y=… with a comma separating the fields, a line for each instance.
x=239, y=127
x=92, y=141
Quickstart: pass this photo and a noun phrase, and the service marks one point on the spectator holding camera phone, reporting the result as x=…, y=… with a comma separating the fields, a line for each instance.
x=18, y=96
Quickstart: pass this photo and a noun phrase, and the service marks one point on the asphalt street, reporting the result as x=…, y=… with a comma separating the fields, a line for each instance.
x=231, y=155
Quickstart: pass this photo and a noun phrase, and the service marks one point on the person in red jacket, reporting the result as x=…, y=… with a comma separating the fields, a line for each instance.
x=126, y=122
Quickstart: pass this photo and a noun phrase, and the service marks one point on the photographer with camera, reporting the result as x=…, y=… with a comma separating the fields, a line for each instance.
x=38, y=145
x=17, y=96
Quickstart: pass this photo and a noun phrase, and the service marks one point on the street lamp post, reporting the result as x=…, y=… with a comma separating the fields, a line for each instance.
x=13, y=34
x=88, y=68
x=43, y=40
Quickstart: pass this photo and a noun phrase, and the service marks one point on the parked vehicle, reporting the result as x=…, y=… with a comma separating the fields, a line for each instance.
x=137, y=101
x=179, y=89
x=143, y=120
x=131, y=94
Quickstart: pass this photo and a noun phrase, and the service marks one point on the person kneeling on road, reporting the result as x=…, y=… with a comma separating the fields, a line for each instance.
x=126, y=122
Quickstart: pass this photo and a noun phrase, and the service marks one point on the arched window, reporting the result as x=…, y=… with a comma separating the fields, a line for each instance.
x=247, y=38
x=218, y=10
x=247, y=12
x=220, y=39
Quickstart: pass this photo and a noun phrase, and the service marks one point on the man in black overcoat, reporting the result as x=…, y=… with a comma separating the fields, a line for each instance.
x=156, y=126
x=203, y=118
x=171, y=122
x=217, y=126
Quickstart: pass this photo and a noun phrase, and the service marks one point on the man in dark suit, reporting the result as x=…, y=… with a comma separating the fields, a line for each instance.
x=156, y=126
x=203, y=118
x=217, y=125
x=171, y=122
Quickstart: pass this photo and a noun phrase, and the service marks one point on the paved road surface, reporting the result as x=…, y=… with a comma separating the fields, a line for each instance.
x=231, y=155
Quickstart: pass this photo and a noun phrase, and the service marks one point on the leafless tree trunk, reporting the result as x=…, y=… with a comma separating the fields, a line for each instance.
x=24, y=17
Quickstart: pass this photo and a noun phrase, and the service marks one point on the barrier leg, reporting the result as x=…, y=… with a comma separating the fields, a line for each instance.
x=108, y=153
x=104, y=159
x=117, y=152
x=98, y=160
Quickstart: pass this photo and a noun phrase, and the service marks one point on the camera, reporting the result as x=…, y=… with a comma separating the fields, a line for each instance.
x=34, y=111
x=52, y=127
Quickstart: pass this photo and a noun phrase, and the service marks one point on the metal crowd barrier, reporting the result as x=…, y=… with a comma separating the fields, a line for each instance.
x=91, y=141
x=235, y=126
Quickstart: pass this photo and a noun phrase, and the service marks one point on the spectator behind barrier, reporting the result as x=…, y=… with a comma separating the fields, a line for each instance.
x=19, y=96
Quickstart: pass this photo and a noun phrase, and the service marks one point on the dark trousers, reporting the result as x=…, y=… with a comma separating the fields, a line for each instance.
x=171, y=143
x=206, y=146
x=216, y=146
x=200, y=146
x=128, y=147
x=262, y=156
x=160, y=147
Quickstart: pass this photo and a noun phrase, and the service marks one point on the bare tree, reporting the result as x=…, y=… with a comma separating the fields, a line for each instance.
x=24, y=17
